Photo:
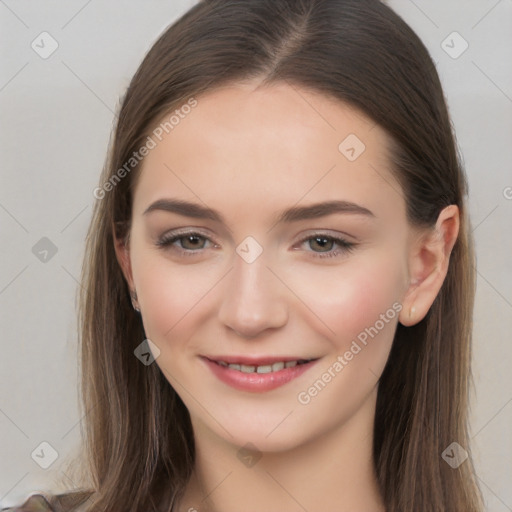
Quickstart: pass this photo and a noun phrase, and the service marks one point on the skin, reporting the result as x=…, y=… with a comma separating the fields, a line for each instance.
x=251, y=152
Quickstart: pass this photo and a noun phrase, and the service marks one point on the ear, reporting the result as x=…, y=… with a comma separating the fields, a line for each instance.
x=122, y=249
x=428, y=265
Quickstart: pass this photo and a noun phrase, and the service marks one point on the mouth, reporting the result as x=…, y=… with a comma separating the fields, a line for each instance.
x=263, y=368
x=257, y=374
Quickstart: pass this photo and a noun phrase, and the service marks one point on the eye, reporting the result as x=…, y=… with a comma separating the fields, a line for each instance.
x=325, y=246
x=191, y=242
x=322, y=243
x=187, y=243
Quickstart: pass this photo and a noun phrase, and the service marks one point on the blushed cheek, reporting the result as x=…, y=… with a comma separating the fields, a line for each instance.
x=172, y=299
x=360, y=347
x=360, y=304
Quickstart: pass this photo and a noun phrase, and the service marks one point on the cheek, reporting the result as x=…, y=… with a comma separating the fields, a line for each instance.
x=352, y=300
x=360, y=303
x=171, y=296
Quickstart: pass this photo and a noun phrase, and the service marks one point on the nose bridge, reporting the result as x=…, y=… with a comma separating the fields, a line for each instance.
x=254, y=300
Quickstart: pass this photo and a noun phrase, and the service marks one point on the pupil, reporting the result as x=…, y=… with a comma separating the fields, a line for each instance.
x=324, y=243
x=192, y=241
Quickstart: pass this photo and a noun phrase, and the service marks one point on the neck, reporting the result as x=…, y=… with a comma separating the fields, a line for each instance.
x=334, y=471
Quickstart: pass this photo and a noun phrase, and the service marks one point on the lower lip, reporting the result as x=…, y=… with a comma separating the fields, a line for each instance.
x=257, y=382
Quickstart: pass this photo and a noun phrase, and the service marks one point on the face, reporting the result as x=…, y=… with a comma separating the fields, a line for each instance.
x=281, y=241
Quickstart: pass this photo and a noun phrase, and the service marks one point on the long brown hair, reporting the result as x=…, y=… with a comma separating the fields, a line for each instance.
x=138, y=435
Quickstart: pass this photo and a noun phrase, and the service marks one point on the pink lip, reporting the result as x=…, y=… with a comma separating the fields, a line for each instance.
x=254, y=360
x=255, y=382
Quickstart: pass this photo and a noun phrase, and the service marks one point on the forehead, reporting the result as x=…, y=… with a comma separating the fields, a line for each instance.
x=280, y=144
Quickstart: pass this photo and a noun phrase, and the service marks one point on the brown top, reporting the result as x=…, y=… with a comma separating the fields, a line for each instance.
x=40, y=502
x=36, y=503
x=73, y=501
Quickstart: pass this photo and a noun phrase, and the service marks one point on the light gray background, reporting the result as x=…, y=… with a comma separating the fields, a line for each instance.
x=56, y=117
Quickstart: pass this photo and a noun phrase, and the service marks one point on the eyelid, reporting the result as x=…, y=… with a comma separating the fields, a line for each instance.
x=175, y=233
x=167, y=239
x=344, y=246
x=328, y=233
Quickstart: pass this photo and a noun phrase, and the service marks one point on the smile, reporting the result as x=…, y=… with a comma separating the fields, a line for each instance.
x=266, y=368
x=257, y=375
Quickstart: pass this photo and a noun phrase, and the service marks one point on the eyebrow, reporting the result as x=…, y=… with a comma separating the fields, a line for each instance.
x=293, y=214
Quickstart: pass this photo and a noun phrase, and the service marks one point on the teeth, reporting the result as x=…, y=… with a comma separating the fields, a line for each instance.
x=267, y=368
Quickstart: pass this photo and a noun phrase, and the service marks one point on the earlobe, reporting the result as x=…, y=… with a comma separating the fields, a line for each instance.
x=428, y=266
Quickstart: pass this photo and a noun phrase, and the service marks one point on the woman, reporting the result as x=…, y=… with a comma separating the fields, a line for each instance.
x=278, y=285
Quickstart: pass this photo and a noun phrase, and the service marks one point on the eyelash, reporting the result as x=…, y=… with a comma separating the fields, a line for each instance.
x=345, y=247
x=167, y=240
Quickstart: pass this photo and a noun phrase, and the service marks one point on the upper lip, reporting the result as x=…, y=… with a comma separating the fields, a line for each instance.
x=256, y=360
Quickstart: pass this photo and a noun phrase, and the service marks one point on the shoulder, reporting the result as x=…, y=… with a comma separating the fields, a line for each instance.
x=35, y=503
x=41, y=502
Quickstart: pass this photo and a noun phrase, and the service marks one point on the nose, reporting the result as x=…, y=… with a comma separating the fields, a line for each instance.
x=254, y=299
